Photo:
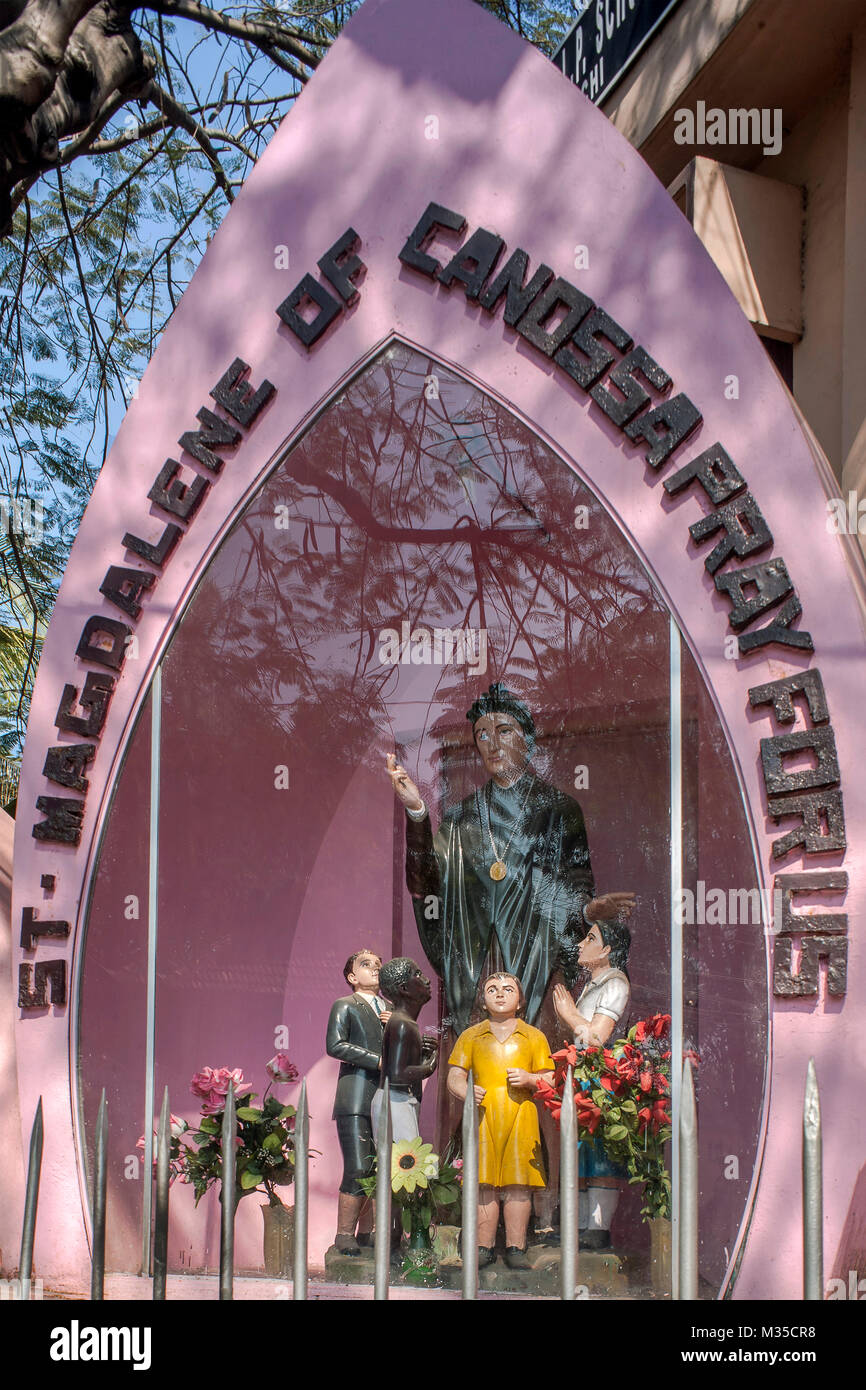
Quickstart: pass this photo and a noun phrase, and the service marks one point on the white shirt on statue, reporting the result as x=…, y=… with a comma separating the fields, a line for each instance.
x=607, y=994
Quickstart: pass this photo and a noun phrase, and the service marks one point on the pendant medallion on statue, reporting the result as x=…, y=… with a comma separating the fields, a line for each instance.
x=498, y=870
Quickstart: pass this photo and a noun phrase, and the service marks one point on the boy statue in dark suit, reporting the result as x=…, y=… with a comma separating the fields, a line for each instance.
x=355, y=1038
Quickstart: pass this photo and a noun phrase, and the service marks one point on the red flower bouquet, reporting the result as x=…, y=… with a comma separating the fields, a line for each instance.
x=622, y=1099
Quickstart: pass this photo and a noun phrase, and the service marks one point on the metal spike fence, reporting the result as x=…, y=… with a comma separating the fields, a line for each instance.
x=469, y=1246
x=688, y=1194
x=100, y=1172
x=687, y=1244
x=813, y=1204
x=160, y=1217
x=227, y=1197
x=568, y=1193
x=382, y=1245
x=31, y=1200
x=302, y=1193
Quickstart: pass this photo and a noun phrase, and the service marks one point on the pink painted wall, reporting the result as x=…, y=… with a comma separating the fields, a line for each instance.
x=521, y=152
x=11, y=1209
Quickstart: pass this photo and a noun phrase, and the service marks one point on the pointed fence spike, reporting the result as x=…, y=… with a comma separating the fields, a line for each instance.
x=813, y=1197
x=382, y=1249
x=302, y=1195
x=31, y=1200
x=100, y=1171
x=160, y=1218
x=469, y=1241
x=568, y=1191
x=229, y=1180
x=688, y=1222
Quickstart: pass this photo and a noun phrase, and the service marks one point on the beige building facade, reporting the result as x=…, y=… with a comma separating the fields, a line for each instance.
x=753, y=115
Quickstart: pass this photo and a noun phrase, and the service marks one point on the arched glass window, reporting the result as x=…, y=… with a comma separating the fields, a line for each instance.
x=418, y=543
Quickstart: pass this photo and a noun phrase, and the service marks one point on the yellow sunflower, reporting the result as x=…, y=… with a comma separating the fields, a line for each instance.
x=412, y=1164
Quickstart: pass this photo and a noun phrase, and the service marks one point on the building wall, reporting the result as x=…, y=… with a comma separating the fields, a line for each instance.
x=814, y=155
x=811, y=64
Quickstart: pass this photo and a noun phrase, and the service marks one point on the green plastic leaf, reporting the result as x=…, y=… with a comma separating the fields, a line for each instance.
x=250, y=1178
x=273, y=1143
x=246, y=1112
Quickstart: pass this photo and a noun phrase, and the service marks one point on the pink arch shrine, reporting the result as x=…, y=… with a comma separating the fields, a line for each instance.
x=427, y=126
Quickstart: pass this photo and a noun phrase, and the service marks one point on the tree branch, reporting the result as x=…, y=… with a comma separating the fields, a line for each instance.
x=263, y=36
x=179, y=116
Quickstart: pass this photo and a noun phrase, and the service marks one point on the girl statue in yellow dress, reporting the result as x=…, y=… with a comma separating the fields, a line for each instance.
x=507, y=1056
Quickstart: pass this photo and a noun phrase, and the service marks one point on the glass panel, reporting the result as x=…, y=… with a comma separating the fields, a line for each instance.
x=417, y=505
x=113, y=997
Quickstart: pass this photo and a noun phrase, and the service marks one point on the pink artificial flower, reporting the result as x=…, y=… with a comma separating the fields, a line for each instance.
x=202, y=1083
x=282, y=1069
x=223, y=1078
x=211, y=1086
x=177, y=1127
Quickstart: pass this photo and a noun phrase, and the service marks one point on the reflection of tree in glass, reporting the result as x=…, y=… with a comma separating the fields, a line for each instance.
x=416, y=498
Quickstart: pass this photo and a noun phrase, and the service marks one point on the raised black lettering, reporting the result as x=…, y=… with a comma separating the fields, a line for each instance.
x=434, y=218
x=832, y=948
x=561, y=294
x=237, y=397
x=634, y=396
x=103, y=640
x=65, y=764
x=665, y=428
x=177, y=498
x=32, y=928
x=33, y=992
x=818, y=741
x=328, y=308
x=64, y=816
x=815, y=881
x=96, y=697
x=586, y=340
x=472, y=264
x=155, y=554
x=717, y=474
x=214, y=433
x=780, y=695
x=340, y=266
x=124, y=588
x=745, y=531
x=815, y=810
x=511, y=282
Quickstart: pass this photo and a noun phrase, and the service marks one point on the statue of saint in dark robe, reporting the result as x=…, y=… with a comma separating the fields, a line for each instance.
x=505, y=883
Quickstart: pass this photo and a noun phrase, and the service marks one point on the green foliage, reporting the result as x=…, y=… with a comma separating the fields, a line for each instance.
x=433, y=1200
x=622, y=1096
x=542, y=23
x=101, y=250
x=265, y=1156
